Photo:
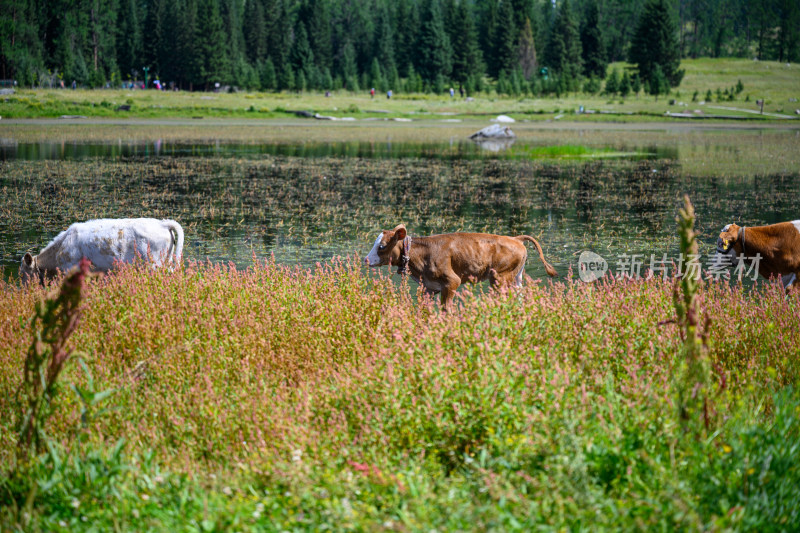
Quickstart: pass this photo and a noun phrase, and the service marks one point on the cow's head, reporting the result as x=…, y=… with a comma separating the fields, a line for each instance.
x=29, y=269
x=388, y=248
x=726, y=241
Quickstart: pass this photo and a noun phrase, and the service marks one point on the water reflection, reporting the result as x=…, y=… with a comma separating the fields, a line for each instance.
x=452, y=150
x=495, y=145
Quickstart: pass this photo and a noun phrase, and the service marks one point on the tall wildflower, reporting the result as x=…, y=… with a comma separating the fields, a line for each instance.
x=53, y=323
x=692, y=377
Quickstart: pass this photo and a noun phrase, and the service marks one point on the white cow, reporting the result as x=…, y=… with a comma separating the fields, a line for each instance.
x=106, y=241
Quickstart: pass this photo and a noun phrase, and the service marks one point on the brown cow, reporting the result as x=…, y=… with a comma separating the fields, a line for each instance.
x=443, y=262
x=777, y=244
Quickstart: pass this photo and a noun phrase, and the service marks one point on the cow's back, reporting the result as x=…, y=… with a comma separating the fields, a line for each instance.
x=106, y=241
x=472, y=255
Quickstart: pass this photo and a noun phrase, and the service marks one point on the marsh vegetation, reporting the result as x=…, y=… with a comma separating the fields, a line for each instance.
x=273, y=383
x=307, y=202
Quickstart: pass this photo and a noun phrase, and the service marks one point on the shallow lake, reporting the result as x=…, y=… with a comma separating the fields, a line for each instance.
x=453, y=149
x=308, y=202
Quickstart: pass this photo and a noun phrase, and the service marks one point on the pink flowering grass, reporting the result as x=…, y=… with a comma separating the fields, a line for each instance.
x=274, y=374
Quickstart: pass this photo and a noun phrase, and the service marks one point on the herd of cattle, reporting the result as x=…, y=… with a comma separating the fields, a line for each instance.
x=440, y=263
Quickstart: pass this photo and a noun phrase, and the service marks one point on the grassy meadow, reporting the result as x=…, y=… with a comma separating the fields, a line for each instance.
x=303, y=392
x=282, y=399
x=773, y=82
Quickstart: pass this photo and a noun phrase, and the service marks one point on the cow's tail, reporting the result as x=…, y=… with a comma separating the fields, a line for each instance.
x=177, y=240
x=547, y=266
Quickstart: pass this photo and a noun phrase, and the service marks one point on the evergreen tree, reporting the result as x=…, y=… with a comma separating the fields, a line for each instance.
x=658, y=83
x=243, y=75
x=20, y=48
x=215, y=66
x=385, y=45
x=190, y=69
x=286, y=78
x=255, y=31
x=231, y=13
x=787, y=41
x=327, y=80
x=348, y=63
x=591, y=85
x=467, y=61
x=168, y=61
x=593, y=50
x=279, y=27
x=70, y=43
x=542, y=26
x=527, y=51
x=413, y=80
x=506, y=51
x=438, y=84
x=502, y=83
x=523, y=10
x=317, y=15
x=489, y=29
x=302, y=56
x=655, y=44
x=129, y=38
x=407, y=24
x=355, y=22
x=349, y=69
x=618, y=19
x=195, y=42
x=157, y=32
x=612, y=82
x=392, y=78
x=625, y=85
x=563, y=52
x=636, y=83
x=376, y=76
x=448, y=9
x=515, y=82
x=434, y=45
x=267, y=76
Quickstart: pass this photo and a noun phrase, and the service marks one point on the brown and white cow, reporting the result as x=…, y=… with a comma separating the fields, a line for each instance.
x=777, y=244
x=443, y=262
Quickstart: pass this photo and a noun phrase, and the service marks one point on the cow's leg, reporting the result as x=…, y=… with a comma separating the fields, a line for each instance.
x=494, y=278
x=519, y=276
x=790, y=283
x=429, y=293
x=449, y=286
x=506, y=279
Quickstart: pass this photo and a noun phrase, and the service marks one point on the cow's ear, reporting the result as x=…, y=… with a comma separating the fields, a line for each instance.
x=400, y=232
x=28, y=259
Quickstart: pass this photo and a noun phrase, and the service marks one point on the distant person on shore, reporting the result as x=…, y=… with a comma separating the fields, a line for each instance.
x=74, y=84
x=452, y=92
x=461, y=90
x=372, y=93
x=389, y=94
